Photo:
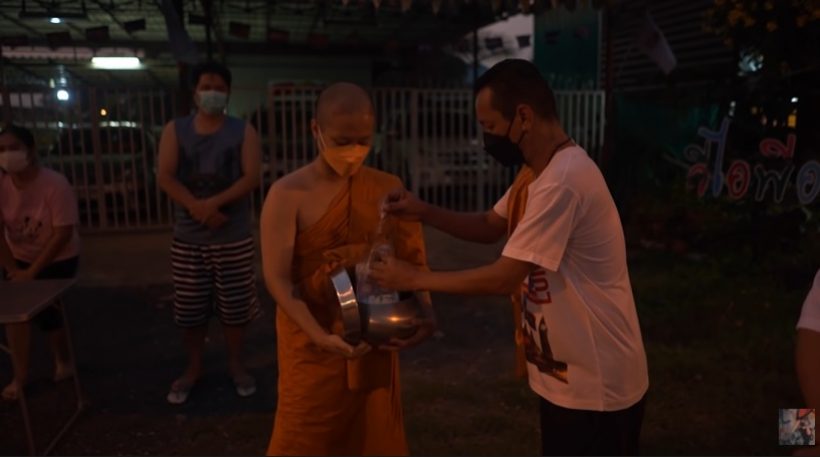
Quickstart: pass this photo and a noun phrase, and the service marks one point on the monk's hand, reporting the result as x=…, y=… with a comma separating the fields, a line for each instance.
x=394, y=274
x=404, y=205
x=426, y=325
x=335, y=344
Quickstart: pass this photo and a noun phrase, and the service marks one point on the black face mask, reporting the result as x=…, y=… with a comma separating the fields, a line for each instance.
x=502, y=149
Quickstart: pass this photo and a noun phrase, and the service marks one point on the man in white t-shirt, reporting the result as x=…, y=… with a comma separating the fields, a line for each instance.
x=807, y=355
x=567, y=258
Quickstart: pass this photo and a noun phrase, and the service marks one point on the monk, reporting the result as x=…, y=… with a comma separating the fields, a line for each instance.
x=334, y=398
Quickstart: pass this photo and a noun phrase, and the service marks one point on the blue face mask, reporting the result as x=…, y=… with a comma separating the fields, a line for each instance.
x=212, y=101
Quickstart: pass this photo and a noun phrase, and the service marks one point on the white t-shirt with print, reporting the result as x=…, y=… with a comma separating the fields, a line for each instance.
x=810, y=316
x=582, y=337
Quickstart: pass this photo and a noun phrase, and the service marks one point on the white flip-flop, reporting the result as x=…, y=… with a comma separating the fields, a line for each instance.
x=179, y=393
x=245, y=385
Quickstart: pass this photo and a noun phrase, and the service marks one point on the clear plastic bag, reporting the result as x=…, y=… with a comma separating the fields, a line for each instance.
x=367, y=290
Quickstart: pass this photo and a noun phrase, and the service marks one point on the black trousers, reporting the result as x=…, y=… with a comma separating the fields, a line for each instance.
x=579, y=432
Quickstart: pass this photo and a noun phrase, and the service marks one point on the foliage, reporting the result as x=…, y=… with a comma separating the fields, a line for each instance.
x=775, y=30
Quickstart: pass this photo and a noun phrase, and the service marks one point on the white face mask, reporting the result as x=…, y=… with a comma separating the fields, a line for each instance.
x=13, y=161
x=212, y=101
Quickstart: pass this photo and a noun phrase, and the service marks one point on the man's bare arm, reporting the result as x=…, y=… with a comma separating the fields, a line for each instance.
x=807, y=358
x=487, y=227
x=251, y=165
x=167, y=169
x=502, y=277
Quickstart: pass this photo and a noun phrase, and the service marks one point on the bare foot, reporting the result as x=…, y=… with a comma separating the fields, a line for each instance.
x=181, y=388
x=11, y=392
x=63, y=371
x=243, y=381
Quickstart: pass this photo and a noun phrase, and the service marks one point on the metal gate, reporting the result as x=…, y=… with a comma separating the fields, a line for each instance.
x=105, y=142
x=428, y=137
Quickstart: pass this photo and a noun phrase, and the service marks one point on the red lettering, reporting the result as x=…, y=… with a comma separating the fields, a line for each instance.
x=538, y=291
x=774, y=148
x=701, y=173
x=738, y=179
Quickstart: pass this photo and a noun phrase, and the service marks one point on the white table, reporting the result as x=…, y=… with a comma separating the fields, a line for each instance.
x=20, y=302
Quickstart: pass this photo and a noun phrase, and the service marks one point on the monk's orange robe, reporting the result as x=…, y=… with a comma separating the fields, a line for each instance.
x=327, y=404
x=516, y=206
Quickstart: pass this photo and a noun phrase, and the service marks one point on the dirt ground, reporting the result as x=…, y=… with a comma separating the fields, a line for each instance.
x=719, y=345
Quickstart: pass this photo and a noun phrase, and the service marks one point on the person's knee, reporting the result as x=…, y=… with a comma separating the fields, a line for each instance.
x=18, y=330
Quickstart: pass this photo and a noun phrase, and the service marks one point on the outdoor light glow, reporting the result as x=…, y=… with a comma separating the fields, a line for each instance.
x=103, y=112
x=62, y=95
x=114, y=124
x=55, y=20
x=794, y=99
x=116, y=63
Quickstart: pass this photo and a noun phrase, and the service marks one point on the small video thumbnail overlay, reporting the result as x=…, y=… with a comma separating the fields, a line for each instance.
x=798, y=427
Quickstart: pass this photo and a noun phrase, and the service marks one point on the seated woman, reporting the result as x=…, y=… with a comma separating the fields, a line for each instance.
x=38, y=219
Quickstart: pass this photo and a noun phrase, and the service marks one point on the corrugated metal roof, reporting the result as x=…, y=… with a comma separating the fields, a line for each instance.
x=355, y=29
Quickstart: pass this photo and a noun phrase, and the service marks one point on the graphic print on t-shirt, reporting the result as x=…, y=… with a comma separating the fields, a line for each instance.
x=27, y=229
x=536, y=294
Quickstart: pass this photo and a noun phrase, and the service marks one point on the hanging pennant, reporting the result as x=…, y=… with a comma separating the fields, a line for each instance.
x=582, y=32
x=406, y=5
x=436, y=6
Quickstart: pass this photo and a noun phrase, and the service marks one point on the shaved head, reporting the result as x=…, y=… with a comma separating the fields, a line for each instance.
x=343, y=99
x=344, y=126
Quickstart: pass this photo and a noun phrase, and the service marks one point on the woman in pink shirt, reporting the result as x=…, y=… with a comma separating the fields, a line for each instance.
x=38, y=219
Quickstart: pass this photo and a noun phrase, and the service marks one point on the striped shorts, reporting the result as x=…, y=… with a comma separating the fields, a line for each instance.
x=219, y=276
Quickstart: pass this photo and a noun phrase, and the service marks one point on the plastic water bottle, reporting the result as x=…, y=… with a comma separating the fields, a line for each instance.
x=368, y=291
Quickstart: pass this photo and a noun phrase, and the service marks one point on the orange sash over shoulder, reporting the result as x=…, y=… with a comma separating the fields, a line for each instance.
x=516, y=206
x=327, y=404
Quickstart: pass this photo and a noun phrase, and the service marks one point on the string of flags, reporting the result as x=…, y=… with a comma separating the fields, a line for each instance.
x=525, y=6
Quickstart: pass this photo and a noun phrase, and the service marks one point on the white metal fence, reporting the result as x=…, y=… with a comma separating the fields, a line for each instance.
x=105, y=142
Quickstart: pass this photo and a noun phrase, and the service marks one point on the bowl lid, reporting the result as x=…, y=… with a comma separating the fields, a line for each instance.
x=346, y=294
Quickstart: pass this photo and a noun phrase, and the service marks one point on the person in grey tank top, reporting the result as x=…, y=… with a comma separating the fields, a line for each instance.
x=209, y=163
